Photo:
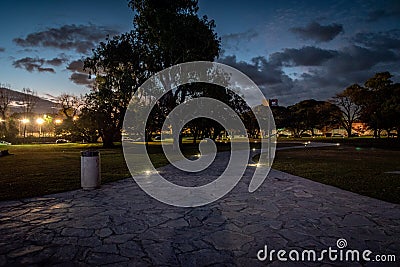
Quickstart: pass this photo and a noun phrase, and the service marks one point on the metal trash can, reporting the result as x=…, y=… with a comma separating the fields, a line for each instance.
x=90, y=169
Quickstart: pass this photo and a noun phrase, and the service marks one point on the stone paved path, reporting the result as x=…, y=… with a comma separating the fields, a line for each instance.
x=120, y=225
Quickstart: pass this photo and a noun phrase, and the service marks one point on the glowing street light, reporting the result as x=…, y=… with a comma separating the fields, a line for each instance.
x=40, y=121
x=58, y=121
x=24, y=121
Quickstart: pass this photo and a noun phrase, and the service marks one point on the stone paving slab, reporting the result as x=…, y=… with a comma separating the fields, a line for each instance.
x=119, y=225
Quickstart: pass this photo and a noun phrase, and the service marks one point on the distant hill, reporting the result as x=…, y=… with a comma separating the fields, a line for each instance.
x=42, y=105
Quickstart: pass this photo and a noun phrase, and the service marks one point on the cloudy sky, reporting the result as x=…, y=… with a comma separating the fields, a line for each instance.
x=293, y=50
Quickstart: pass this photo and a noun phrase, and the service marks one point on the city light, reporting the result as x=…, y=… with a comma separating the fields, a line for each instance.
x=39, y=121
x=58, y=121
x=25, y=121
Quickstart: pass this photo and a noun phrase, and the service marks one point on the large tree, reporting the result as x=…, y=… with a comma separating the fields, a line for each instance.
x=377, y=91
x=308, y=115
x=165, y=33
x=29, y=102
x=119, y=71
x=171, y=32
x=349, y=103
x=5, y=101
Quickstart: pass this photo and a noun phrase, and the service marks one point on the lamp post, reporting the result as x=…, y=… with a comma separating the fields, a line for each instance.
x=24, y=121
x=57, y=122
x=40, y=121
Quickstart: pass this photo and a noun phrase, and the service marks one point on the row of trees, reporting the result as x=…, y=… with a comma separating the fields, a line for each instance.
x=8, y=124
x=307, y=115
x=376, y=103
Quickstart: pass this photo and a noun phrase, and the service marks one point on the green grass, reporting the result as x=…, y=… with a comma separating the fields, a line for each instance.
x=40, y=169
x=36, y=170
x=359, y=170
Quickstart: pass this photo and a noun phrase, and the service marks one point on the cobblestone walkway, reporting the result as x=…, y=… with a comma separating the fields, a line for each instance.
x=120, y=225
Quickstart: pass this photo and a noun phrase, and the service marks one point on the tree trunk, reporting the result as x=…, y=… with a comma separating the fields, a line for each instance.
x=194, y=136
x=108, y=140
x=375, y=133
x=348, y=130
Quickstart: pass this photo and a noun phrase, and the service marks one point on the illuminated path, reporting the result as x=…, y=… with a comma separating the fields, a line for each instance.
x=120, y=225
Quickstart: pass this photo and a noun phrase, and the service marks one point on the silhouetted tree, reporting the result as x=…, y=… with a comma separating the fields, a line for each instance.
x=29, y=102
x=5, y=100
x=165, y=33
x=171, y=32
x=308, y=115
x=377, y=91
x=281, y=116
x=349, y=102
x=119, y=71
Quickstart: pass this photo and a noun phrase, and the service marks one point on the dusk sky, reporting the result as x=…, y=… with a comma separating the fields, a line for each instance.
x=293, y=50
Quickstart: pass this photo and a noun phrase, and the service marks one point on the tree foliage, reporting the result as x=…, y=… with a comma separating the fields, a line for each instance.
x=349, y=103
x=165, y=33
x=117, y=66
x=377, y=103
x=311, y=114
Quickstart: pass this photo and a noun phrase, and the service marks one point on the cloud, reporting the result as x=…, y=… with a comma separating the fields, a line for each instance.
x=81, y=38
x=323, y=72
x=356, y=58
x=269, y=78
x=79, y=76
x=234, y=39
x=305, y=56
x=317, y=32
x=240, y=36
x=55, y=61
x=36, y=64
x=379, y=14
x=259, y=70
x=378, y=40
x=2, y=49
x=76, y=66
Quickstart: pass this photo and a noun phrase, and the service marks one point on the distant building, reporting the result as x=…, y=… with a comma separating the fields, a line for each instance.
x=273, y=102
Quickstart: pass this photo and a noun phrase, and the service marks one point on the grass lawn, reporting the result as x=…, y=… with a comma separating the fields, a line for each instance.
x=360, y=170
x=35, y=170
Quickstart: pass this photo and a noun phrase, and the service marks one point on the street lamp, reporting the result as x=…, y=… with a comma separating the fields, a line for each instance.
x=58, y=121
x=25, y=121
x=40, y=121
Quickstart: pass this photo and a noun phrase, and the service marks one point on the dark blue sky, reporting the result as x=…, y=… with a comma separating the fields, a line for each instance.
x=292, y=49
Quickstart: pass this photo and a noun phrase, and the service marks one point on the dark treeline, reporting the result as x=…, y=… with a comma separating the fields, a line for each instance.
x=375, y=103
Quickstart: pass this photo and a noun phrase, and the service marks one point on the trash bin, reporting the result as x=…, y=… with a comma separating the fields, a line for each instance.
x=90, y=169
